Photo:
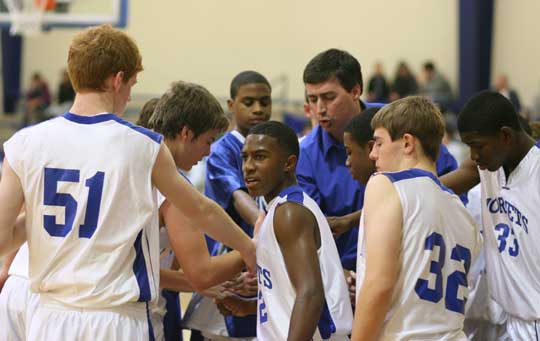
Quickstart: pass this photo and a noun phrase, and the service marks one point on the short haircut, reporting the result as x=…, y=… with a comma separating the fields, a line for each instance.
x=415, y=115
x=285, y=136
x=146, y=112
x=429, y=66
x=360, y=126
x=486, y=113
x=98, y=53
x=247, y=77
x=334, y=63
x=187, y=105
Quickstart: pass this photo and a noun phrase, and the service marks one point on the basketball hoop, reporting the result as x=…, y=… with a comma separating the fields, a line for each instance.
x=26, y=16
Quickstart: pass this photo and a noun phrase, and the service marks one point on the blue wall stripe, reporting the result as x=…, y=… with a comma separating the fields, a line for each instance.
x=12, y=48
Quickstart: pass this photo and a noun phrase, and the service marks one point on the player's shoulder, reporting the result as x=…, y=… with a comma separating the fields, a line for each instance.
x=141, y=131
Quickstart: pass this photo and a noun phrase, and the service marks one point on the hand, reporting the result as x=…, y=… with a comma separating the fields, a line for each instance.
x=216, y=292
x=244, y=284
x=350, y=279
x=338, y=225
x=236, y=306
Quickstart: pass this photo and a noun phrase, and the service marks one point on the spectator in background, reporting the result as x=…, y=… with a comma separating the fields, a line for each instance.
x=378, y=89
x=436, y=87
x=502, y=87
x=404, y=83
x=66, y=94
x=38, y=99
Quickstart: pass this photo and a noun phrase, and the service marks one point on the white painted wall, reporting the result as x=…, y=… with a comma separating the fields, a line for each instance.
x=516, y=48
x=210, y=41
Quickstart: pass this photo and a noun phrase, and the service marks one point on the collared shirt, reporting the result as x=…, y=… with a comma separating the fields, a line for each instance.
x=322, y=174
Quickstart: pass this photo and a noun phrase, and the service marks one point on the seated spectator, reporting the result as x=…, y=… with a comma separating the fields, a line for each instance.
x=501, y=86
x=404, y=83
x=38, y=98
x=66, y=94
x=378, y=89
x=436, y=87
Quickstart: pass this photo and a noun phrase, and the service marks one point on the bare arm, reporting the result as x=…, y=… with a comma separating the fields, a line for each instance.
x=245, y=206
x=383, y=226
x=202, y=212
x=11, y=202
x=462, y=179
x=342, y=224
x=298, y=236
x=190, y=248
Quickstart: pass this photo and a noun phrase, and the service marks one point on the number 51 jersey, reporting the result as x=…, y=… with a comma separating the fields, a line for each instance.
x=91, y=211
x=439, y=242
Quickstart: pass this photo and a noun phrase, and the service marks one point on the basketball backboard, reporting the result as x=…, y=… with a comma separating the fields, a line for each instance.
x=67, y=13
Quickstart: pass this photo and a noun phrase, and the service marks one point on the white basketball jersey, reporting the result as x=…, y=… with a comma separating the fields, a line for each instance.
x=511, y=216
x=19, y=266
x=439, y=242
x=91, y=209
x=276, y=292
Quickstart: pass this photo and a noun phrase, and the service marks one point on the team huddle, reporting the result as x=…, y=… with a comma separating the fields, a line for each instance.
x=355, y=232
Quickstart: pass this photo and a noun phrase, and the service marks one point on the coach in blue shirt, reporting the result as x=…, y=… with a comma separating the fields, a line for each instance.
x=333, y=83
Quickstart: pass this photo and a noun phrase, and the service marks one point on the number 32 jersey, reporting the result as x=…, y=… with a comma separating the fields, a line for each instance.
x=511, y=216
x=91, y=211
x=439, y=242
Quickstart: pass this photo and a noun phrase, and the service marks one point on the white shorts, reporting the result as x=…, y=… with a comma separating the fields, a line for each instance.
x=53, y=321
x=518, y=329
x=17, y=306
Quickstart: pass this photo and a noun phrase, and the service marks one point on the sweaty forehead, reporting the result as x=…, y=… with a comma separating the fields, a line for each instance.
x=254, y=90
x=475, y=137
x=330, y=85
x=380, y=133
x=258, y=142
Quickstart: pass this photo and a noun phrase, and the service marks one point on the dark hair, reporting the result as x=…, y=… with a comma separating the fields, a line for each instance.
x=429, y=66
x=285, y=136
x=334, y=63
x=525, y=126
x=247, y=77
x=360, y=126
x=190, y=105
x=486, y=113
x=146, y=112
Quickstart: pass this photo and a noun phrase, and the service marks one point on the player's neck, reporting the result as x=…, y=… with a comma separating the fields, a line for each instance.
x=521, y=148
x=289, y=181
x=423, y=163
x=92, y=103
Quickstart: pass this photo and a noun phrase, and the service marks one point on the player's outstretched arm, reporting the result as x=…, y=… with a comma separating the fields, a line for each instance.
x=383, y=226
x=462, y=179
x=202, y=212
x=189, y=245
x=245, y=206
x=342, y=224
x=11, y=201
x=298, y=235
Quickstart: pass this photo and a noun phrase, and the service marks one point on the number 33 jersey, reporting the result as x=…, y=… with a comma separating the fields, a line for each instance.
x=91, y=211
x=511, y=217
x=439, y=242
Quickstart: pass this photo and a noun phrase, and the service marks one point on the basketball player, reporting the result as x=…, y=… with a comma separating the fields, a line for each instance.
x=250, y=103
x=86, y=179
x=302, y=290
x=416, y=239
x=506, y=161
x=190, y=118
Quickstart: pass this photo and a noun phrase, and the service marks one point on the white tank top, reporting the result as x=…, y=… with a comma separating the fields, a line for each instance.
x=276, y=292
x=91, y=209
x=439, y=242
x=511, y=216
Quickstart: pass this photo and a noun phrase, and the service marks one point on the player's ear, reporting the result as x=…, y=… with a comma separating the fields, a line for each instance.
x=230, y=103
x=185, y=134
x=506, y=134
x=118, y=80
x=290, y=164
x=409, y=142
